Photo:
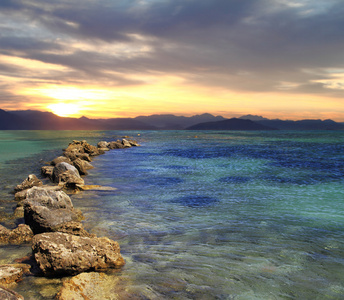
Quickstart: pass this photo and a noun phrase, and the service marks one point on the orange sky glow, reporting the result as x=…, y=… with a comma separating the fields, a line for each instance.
x=244, y=58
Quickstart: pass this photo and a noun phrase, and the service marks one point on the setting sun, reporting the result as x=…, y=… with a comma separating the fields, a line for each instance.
x=64, y=109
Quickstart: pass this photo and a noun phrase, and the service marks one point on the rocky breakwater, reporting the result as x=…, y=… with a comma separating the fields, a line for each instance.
x=60, y=244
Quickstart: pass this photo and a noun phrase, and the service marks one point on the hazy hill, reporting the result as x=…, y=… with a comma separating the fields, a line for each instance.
x=37, y=120
x=230, y=124
x=10, y=121
x=253, y=118
x=125, y=124
x=296, y=125
x=173, y=122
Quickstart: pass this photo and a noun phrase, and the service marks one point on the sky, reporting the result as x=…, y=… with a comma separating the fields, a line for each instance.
x=124, y=58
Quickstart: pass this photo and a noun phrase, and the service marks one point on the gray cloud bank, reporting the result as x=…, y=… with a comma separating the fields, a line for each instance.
x=246, y=45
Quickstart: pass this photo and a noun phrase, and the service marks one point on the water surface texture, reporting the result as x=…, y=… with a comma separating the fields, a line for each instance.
x=207, y=215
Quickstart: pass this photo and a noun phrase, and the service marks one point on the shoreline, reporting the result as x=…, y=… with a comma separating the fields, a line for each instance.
x=48, y=213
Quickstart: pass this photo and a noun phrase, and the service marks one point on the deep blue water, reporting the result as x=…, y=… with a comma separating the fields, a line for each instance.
x=210, y=215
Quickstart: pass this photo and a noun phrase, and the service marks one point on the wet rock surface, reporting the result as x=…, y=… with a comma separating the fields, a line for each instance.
x=59, y=253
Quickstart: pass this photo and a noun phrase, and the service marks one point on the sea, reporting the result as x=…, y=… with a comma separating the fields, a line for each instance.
x=202, y=214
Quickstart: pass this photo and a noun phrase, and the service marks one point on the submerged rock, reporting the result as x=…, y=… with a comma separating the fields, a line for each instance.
x=96, y=188
x=12, y=273
x=47, y=210
x=6, y=294
x=93, y=286
x=29, y=182
x=62, y=254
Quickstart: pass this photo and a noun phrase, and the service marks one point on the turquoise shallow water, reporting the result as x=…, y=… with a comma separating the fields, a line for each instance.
x=224, y=215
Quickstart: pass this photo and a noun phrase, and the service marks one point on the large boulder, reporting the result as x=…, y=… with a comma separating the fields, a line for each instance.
x=46, y=210
x=28, y=183
x=22, y=194
x=66, y=174
x=21, y=234
x=59, y=253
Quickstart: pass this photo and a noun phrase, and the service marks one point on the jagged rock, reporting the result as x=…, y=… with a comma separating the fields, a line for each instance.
x=75, y=146
x=133, y=143
x=126, y=143
x=94, y=286
x=91, y=150
x=59, y=253
x=47, y=171
x=80, y=166
x=12, y=273
x=29, y=182
x=60, y=159
x=103, y=144
x=21, y=234
x=6, y=294
x=116, y=145
x=82, y=147
x=73, y=155
x=84, y=156
x=66, y=174
x=47, y=210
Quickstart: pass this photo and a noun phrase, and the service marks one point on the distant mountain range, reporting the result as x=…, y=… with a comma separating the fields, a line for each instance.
x=37, y=120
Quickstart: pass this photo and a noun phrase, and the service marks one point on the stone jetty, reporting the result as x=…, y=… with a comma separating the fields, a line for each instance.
x=60, y=244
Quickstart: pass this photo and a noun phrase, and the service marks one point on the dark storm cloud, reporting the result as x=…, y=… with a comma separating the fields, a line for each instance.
x=245, y=45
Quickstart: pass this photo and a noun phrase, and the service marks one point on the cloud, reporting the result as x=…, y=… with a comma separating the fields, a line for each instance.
x=247, y=45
